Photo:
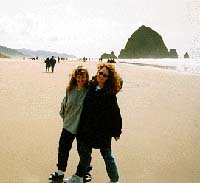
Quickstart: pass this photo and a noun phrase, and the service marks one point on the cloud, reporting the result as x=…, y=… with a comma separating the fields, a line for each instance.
x=53, y=39
x=91, y=27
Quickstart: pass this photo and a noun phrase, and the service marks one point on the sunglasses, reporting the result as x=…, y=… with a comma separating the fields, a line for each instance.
x=104, y=75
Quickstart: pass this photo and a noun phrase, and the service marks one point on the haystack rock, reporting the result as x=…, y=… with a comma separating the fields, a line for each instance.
x=146, y=43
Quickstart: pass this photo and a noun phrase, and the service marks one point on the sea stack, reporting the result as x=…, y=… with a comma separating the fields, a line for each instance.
x=186, y=55
x=146, y=43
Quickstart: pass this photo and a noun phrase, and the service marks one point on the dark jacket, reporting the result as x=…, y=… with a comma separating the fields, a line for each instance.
x=52, y=61
x=100, y=119
x=47, y=61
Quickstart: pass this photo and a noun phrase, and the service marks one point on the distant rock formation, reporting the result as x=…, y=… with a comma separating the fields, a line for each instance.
x=186, y=55
x=146, y=43
x=173, y=53
x=108, y=56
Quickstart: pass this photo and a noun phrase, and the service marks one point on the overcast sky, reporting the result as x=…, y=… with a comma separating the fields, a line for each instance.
x=90, y=27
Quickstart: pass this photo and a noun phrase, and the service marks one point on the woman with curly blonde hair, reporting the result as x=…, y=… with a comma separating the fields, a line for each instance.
x=70, y=112
x=112, y=85
x=100, y=121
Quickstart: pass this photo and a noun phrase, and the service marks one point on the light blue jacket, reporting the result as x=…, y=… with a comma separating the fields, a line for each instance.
x=71, y=108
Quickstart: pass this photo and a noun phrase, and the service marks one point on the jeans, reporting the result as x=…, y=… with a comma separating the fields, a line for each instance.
x=85, y=158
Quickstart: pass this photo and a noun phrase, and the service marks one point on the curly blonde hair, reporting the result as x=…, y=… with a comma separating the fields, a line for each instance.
x=80, y=70
x=112, y=84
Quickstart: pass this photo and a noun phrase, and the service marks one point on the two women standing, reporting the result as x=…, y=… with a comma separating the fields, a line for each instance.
x=92, y=114
x=100, y=120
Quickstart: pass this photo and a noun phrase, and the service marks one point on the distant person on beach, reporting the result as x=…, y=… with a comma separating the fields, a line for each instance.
x=47, y=62
x=112, y=60
x=52, y=63
x=58, y=59
x=70, y=112
x=100, y=121
x=100, y=59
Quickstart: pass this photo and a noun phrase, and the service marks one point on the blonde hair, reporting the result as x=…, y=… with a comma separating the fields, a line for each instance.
x=112, y=84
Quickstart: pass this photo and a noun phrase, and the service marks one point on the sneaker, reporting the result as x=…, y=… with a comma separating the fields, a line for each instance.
x=87, y=177
x=55, y=177
x=74, y=179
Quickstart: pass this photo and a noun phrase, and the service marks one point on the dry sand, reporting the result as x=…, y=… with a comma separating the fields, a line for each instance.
x=161, y=124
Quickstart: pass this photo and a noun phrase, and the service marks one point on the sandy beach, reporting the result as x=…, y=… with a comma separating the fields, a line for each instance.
x=161, y=124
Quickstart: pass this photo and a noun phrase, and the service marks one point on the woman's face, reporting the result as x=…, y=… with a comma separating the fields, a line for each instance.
x=102, y=76
x=81, y=80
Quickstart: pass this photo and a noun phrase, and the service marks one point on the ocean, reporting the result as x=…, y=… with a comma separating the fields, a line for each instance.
x=189, y=66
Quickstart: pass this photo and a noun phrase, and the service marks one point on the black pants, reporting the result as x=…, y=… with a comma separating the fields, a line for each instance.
x=65, y=145
x=47, y=68
x=52, y=68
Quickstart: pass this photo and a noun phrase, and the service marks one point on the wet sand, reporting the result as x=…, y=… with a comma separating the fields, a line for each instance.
x=161, y=124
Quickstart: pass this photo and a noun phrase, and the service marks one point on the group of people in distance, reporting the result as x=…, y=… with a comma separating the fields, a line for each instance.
x=50, y=63
x=90, y=114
